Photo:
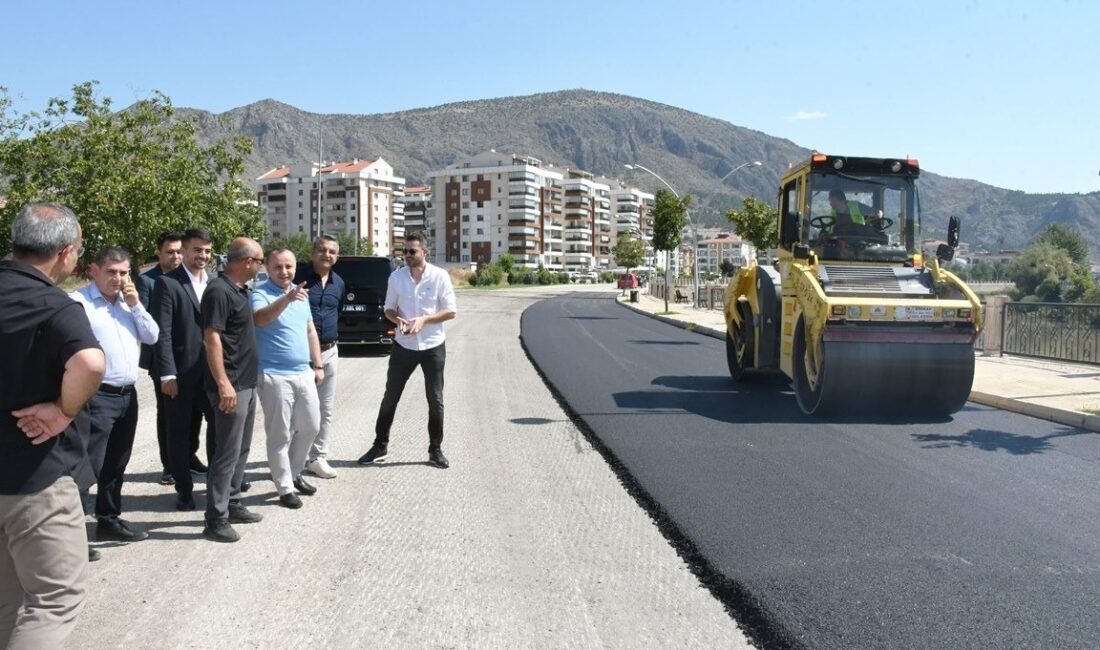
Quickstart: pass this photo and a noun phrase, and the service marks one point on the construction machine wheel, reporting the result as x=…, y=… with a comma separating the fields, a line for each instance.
x=739, y=345
x=929, y=377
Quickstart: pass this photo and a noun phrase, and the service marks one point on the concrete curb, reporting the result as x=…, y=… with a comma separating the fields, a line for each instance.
x=1049, y=413
x=1061, y=416
x=676, y=322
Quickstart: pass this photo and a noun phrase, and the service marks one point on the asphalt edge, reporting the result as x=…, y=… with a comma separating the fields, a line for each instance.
x=1049, y=413
x=742, y=607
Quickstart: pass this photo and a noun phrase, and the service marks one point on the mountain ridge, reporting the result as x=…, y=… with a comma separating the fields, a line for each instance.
x=599, y=132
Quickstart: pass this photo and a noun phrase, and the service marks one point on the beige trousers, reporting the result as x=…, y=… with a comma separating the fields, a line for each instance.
x=43, y=560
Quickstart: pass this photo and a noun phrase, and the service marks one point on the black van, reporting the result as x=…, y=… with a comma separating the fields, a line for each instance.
x=362, y=317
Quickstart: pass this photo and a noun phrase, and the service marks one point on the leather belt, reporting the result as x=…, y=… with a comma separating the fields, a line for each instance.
x=328, y=346
x=116, y=390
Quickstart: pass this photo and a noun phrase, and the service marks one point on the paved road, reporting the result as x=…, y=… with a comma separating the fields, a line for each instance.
x=528, y=541
x=981, y=531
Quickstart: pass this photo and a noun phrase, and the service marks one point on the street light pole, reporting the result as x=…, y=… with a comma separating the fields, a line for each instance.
x=755, y=163
x=694, y=238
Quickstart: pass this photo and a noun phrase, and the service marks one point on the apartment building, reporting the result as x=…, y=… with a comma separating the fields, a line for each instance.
x=632, y=212
x=711, y=252
x=360, y=198
x=494, y=203
x=417, y=210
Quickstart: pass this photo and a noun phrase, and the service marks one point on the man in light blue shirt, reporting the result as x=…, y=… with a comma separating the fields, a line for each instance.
x=120, y=324
x=291, y=368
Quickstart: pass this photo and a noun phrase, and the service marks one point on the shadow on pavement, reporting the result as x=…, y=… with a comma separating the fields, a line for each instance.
x=986, y=440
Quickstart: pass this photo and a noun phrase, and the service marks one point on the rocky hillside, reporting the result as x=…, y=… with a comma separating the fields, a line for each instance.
x=598, y=132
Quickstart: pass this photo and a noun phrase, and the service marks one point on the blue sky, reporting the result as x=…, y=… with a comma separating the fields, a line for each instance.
x=1003, y=92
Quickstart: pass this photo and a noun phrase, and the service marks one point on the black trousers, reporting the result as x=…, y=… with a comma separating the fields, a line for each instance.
x=162, y=427
x=185, y=412
x=402, y=364
x=113, y=423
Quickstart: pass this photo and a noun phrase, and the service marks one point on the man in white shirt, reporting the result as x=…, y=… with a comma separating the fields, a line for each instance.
x=419, y=299
x=120, y=324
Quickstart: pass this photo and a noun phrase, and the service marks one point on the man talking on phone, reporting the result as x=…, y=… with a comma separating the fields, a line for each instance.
x=120, y=324
x=419, y=299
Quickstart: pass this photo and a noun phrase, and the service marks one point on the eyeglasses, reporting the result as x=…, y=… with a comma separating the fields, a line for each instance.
x=409, y=251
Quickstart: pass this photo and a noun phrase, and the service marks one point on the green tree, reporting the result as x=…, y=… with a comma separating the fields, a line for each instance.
x=757, y=223
x=1068, y=239
x=297, y=243
x=506, y=263
x=128, y=175
x=349, y=245
x=669, y=216
x=1040, y=270
x=727, y=268
x=629, y=252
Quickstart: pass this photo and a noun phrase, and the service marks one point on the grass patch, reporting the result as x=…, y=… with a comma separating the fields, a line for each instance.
x=1095, y=411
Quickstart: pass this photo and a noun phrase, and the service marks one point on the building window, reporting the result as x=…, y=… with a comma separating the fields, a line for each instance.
x=465, y=191
x=300, y=192
x=480, y=217
x=480, y=231
x=465, y=218
x=465, y=258
x=465, y=245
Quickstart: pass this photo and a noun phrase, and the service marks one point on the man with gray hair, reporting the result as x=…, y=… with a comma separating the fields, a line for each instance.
x=232, y=366
x=120, y=324
x=51, y=366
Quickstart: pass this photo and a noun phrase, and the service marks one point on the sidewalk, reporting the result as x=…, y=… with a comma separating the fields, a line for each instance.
x=1058, y=391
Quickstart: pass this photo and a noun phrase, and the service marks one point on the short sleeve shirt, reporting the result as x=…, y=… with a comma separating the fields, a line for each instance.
x=325, y=301
x=226, y=308
x=40, y=329
x=284, y=342
x=433, y=294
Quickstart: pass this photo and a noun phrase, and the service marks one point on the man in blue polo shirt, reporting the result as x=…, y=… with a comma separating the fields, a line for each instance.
x=291, y=368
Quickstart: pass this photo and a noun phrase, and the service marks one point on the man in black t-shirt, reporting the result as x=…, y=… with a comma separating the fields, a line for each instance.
x=51, y=365
x=229, y=337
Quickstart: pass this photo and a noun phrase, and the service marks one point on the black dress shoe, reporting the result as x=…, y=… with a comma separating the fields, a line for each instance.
x=117, y=530
x=239, y=514
x=290, y=500
x=93, y=555
x=220, y=531
x=303, y=487
x=196, y=466
x=246, y=486
x=437, y=459
x=166, y=478
x=185, y=503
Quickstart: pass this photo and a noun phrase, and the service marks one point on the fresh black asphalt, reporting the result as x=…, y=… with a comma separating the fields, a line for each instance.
x=977, y=531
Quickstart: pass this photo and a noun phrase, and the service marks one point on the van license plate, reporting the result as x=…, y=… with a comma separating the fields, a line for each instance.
x=355, y=308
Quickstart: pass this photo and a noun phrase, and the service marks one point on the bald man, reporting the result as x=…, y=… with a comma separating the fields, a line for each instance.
x=232, y=361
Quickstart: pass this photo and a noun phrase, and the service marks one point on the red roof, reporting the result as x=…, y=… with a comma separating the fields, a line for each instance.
x=278, y=172
x=343, y=167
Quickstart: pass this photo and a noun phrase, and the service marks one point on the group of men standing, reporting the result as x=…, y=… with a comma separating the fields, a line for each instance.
x=213, y=347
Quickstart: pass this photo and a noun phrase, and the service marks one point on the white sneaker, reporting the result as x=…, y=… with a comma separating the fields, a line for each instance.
x=320, y=468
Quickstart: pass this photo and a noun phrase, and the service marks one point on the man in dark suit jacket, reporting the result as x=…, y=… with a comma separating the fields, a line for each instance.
x=169, y=257
x=180, y=358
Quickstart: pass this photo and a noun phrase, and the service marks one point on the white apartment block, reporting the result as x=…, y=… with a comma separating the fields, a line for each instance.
x=492, y=204
x=417, y=209
x=360, y=198
x=480, y=208
x=711, y=252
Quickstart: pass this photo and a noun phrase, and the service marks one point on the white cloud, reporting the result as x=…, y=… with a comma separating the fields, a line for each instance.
x=802, y=116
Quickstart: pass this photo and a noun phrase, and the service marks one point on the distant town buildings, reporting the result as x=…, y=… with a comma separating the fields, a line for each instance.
x=361, y=198
x=564, y=219
x=711, y=252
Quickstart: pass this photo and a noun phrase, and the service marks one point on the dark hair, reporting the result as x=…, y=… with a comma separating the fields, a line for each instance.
x=837, y=194
x=197, y=233
x=42, y=229
x=111, y=254
x=276, y=251
x=167, y=236
x=417, y=236
x=324, y=238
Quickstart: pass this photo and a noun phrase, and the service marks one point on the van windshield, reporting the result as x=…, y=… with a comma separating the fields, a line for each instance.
x=364, y=272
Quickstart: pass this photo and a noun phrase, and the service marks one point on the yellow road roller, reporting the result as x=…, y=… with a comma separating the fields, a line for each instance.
x=851, y=311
